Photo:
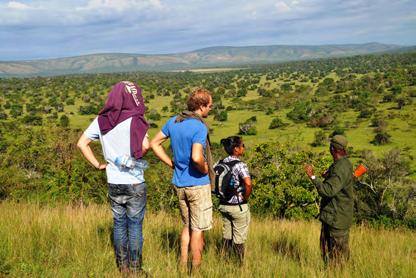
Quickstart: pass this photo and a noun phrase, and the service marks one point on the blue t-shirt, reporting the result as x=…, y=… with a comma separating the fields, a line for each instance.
x=182, y=136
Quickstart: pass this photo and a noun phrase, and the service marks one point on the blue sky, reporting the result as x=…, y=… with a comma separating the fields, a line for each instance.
x=49, y=29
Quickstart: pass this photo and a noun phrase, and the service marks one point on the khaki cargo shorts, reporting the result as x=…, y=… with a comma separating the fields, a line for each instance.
x=235, y=222
x=196, y=206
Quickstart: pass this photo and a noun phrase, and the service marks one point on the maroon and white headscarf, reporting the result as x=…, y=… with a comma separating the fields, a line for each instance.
x=125, y=100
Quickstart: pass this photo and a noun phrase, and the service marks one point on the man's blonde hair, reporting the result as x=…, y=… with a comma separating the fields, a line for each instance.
x=198, y=98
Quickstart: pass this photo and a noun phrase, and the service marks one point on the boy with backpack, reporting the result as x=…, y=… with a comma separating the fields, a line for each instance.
x=233, y=188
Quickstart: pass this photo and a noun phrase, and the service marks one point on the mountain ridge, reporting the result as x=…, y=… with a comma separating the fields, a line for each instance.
x=215, y=56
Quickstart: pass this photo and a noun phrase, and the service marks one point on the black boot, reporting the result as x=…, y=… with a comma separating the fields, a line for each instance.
x=239, y=250
x=227, y=248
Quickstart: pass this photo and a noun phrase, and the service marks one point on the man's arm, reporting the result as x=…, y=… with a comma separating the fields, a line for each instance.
x=156, y=145
x=198, y=158
x=330, y=186
x=84, y=145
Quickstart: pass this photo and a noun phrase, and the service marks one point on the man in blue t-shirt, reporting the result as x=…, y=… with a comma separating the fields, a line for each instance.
x=188, y=135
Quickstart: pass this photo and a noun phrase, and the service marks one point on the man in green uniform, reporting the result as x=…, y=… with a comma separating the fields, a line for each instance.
x=336, y=204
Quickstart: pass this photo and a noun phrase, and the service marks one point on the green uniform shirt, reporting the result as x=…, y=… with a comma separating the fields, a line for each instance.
x=337, y=195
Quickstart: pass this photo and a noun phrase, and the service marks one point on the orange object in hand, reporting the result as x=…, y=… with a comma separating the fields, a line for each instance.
x=360, y=170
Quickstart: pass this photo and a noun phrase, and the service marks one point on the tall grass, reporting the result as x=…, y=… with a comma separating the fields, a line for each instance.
x=68, y=241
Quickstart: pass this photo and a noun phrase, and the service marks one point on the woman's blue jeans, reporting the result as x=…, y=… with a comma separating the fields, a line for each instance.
x=128, y=203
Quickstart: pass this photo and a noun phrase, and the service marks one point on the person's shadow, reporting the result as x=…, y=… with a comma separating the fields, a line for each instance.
x=170, y=241
x=106, y=230
x=288, y=247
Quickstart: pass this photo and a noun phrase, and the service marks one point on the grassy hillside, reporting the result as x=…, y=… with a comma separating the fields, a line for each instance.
x=285, y=113
x=75, y=241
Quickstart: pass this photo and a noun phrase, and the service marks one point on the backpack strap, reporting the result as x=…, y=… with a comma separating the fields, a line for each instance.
x=231, y=164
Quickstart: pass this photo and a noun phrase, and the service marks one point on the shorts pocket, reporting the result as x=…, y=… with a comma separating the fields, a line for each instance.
x=205, y=217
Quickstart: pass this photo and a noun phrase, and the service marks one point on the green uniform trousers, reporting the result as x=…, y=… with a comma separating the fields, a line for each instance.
x=334, y=245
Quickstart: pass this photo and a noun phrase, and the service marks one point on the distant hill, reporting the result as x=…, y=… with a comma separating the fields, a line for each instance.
x=224, y=56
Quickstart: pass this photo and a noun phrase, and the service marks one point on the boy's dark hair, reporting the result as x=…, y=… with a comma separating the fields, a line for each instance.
x=230, y=143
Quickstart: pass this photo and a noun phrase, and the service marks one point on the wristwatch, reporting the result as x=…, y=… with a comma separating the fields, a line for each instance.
x=313, y=177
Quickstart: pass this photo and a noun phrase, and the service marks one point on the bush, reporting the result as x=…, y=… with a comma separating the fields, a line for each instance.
x=16, y=110
x=269, y=111
x=265, y=93
x=320, y=139
x=88, y=110
x=301, y=112
x=220, y=115
x=47, y=167
x=366, y=112
x=153, y=115
x=252, y=119
x=276, y=123
x=286, y=87
x=378, y=123
x=322, y=121
x=70, y=101
x=47, y=109
x=388, y=98
x=32, y=119
x=248, y=127
x=54, y=115
x=385, y=196
x=338, y=131
x=381, y=138
x=64, y=121
x=400, y=103
x=396, y=90
x=241, y=92
x=60, y=108
x=153, y=125
x=282, y=188
x=86, y=98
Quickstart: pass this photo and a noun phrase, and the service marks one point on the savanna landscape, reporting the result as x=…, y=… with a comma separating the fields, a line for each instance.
x=55, y=220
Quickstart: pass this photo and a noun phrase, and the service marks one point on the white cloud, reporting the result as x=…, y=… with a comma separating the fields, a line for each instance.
x=17, y=5
x=121, y=5
x=282, y=7
x=298, y=8
x=156, y=4
x=54, y=14
x=154, y=26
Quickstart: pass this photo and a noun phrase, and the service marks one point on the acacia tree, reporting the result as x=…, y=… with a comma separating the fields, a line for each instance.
x=385, y=192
